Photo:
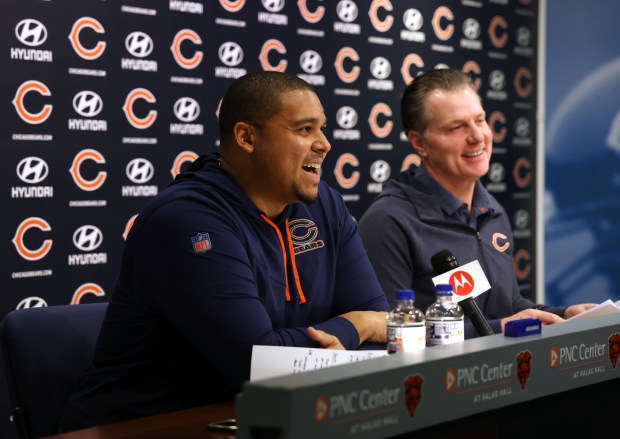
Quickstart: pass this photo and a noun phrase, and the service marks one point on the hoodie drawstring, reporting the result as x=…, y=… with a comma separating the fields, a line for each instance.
x=302, y=298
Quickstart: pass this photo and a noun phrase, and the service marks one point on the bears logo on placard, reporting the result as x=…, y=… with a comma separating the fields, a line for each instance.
x=18, y=102
x=523, y=82
x=522, y=172
x=473, y=67
x=74, y=37
x=413, y=393
x=524, y=367
x=614, y=349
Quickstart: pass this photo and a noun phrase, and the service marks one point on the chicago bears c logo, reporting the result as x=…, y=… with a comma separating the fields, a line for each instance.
x=183, y=61
x=344, y=75
x=269, y=46
x=18, y=102
x=74, y=37
x=84, y=289
x=80, y=181
x=180, y=159
x=139, y=122
x=18, y=239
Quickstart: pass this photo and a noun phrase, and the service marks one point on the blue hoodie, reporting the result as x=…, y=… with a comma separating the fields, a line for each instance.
x=415, y=217
x=205, y=276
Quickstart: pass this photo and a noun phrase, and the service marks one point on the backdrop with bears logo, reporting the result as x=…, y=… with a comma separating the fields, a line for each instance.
x=104, y=102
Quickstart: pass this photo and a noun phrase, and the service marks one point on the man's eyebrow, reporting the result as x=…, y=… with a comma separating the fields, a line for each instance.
x=305, y=120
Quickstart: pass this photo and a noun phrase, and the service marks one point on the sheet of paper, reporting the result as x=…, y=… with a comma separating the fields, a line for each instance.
x=273, y=361
x=602, y=309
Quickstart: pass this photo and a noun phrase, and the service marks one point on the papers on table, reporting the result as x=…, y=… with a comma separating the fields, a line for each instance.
x=273, y=361
x=602, y=309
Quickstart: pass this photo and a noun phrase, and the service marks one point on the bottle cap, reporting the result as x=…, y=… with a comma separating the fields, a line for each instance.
x=405, y=295
x=443, y=288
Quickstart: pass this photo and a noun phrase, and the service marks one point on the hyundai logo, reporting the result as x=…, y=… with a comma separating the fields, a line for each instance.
x=140, y=170
x=310, y=61
x=31, y=32
x=230, y=53
x=273, y=5
x=87, y=238
x=186, y=109
x=497, y=80
x=496, y=172
x=87, y=103
x=471, y=28
x=380, y=171
x=380, y=68
x=413, y=20
x=31, y=302
x=347, y=11
x=32, y=170
x=347, y=117
x=139, y=44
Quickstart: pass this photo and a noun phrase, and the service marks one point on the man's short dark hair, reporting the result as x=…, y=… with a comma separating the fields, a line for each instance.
x=413, y=112
x=254, y=98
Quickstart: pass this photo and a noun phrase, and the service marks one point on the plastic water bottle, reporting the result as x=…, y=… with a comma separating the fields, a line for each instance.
x=444, y=319
x=405, y=325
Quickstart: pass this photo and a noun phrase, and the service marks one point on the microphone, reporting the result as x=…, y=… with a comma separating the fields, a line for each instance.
x=444, y=261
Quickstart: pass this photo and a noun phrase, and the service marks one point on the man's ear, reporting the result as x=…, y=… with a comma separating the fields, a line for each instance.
x=243, y=134
x=417, y=141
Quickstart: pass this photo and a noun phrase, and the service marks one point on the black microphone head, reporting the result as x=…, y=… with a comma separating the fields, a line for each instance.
x=444, y=261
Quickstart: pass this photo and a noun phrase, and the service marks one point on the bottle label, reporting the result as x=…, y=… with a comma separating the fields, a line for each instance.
x=444, y=332
x=406, y=338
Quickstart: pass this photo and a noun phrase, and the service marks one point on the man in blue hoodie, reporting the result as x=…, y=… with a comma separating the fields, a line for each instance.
x=442, y=205
x=247, y=248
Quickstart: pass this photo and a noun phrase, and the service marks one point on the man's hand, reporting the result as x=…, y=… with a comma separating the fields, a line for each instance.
x=370, y=325
x=546, y=318
x=325, y=340
x=573, y=310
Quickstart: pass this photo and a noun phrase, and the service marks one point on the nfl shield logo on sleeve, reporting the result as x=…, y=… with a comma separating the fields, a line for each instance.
x=201, y=242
